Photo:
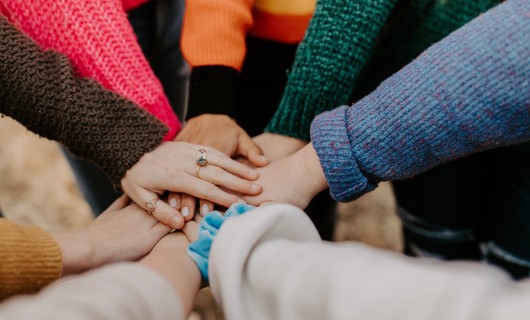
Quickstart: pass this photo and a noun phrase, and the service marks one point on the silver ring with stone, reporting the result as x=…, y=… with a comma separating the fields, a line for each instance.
x=201, y=158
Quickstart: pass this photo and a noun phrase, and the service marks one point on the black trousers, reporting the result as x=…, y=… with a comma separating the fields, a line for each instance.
x=475, y=208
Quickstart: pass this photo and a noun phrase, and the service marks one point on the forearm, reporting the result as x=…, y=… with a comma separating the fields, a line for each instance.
x=97, y=37
x=335, y=48
x=468, y=93
x=178, y=269
x=76, y=253
x=39, y=89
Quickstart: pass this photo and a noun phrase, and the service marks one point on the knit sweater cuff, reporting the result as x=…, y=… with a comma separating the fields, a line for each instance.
x=30, y=259
x=213, y=89
x=345, y=178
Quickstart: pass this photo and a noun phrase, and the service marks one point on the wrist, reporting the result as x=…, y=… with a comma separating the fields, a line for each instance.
x=311, y=170
x=77, y=252
x=276, y=146
x=173, y=263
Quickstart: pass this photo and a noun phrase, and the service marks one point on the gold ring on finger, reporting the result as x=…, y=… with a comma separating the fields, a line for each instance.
x=151, y=205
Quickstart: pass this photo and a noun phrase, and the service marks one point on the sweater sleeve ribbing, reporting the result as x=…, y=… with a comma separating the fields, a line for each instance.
x=336, y=46
x=29, y=259
x=213, y=43
x=467, y=93
x=39, y=89
x=213, y=32
x=100, y=42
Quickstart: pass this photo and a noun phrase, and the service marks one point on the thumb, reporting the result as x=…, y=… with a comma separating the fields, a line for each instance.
x=250, y=150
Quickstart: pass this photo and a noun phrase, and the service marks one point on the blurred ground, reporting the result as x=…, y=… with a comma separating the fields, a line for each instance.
x=37, y=187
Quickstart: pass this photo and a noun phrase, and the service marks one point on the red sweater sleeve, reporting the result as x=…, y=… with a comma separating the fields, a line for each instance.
x=101, y=44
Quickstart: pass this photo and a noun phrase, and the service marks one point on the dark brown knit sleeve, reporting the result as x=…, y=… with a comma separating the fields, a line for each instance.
x=40, y=90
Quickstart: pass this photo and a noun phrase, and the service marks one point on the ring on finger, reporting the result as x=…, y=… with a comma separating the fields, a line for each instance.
x=197, y=171
x=201, y=158
x=151, y=205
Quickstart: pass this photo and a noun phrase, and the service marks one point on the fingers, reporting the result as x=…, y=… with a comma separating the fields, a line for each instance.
x=191, y=230
x=221, y=160
x=159, y=209
x=173, y=199
x=187, y=206
x=205, y=190
x=220, y=177
x=249, y=149
x=205, y=207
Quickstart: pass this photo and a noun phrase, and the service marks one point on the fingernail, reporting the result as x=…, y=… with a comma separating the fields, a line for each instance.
x=264, y=158
x=176, y=222
x=185, y=211
x=255, y=187
x=173, y=202
x=254, y=172
x=205, y=209
x=241, y=200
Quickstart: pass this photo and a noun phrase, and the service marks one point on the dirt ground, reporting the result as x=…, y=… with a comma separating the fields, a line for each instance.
x=38, y=188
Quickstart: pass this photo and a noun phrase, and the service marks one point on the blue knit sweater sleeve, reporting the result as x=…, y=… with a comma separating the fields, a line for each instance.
x=467, y=93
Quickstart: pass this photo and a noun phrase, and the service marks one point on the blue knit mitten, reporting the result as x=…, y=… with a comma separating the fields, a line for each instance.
x=199, y=250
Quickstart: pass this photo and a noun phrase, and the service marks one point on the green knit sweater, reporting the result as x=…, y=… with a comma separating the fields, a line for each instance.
x=352, y=45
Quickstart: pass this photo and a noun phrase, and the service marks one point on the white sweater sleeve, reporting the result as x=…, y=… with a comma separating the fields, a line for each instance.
x=271, y=264
x=125, y=291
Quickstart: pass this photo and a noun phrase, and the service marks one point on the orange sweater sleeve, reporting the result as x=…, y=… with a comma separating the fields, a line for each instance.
x=29, y=259
x=214, y=32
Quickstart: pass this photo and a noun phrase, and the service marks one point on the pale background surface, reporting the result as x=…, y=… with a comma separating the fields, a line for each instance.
x=37, y=187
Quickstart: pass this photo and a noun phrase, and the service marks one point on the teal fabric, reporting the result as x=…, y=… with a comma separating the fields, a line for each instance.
x=199, y=250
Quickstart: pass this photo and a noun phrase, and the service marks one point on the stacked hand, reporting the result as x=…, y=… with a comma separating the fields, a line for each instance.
x=295, y=179
x=167, y=181
x=172, y=167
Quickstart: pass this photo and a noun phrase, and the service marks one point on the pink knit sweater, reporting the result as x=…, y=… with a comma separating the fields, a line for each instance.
x=98, y=39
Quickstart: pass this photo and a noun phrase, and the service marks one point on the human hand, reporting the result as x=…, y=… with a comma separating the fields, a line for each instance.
x=224, y=134
x=295, y=179
x=277, y=146
x=172, y=166
x=124, y=232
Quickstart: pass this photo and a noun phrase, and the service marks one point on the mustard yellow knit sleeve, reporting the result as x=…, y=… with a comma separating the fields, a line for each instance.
x=29, y=259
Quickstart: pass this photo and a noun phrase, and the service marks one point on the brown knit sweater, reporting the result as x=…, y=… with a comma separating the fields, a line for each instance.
x=29, y=259
x=40, y=90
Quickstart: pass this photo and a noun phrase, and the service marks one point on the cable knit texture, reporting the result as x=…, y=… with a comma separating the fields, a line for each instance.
x=29, y=259
x=101, y=44
x=467, y=93
x=345, y=49
x=39, y=90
